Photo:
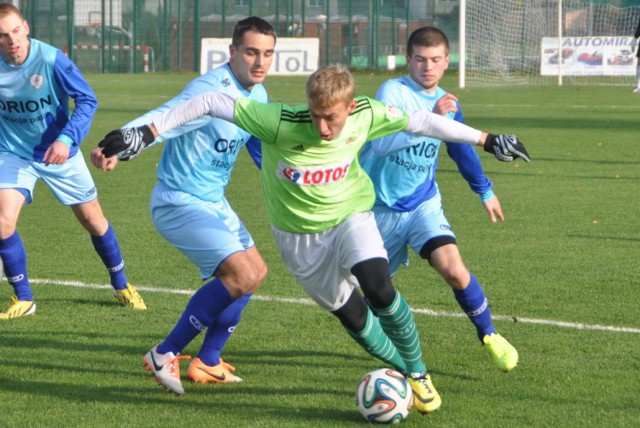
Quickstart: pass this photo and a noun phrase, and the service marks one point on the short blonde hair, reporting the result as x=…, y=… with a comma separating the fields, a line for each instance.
x=330, y=85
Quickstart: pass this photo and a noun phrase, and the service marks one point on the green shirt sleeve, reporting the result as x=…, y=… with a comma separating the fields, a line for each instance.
x=259, y=119
x=386, y=119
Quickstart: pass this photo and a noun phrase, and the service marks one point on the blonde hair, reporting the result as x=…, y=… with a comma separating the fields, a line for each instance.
x=330, y=85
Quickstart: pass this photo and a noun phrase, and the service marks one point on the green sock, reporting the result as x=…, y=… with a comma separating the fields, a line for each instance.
x=398, y=323
x=373, y=339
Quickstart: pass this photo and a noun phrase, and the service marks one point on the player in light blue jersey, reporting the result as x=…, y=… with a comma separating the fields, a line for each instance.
x=39, y=139
x=408, y=208
x=189, y=209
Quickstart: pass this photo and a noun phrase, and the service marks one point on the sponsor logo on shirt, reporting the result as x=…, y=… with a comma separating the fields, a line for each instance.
x=426, y=149
x=350, y=140
x=222, y=145
x=36, y=80
x=25, y=106
x=313, y=175
x=394, y=112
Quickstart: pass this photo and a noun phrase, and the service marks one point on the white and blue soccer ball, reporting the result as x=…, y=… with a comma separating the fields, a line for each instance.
x=384, y=396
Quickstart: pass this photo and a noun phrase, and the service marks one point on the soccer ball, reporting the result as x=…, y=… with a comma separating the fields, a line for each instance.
x=384, y=396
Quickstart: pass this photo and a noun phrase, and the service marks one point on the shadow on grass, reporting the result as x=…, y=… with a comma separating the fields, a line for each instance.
x=236, y=399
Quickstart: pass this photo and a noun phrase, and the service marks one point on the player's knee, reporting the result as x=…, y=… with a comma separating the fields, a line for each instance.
x=237, y=285
x=456, y=275
x=240, y=274
x=249, y=280
x=93, y=221
x=375, y=281
x=7, y=228
x=257, y=276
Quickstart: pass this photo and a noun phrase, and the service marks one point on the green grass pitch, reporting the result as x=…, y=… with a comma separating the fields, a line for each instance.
x=562, y=276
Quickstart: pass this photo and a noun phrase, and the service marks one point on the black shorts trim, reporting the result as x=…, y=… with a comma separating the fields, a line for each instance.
x=434, y=243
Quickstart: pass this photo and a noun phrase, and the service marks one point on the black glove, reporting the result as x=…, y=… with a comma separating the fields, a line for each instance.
x=506, y=148
x=126, y=142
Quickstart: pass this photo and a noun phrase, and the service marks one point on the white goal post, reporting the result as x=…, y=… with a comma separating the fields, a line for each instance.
x=547, y=42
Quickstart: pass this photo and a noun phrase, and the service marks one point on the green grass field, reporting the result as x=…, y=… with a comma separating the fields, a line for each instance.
x=562, y=276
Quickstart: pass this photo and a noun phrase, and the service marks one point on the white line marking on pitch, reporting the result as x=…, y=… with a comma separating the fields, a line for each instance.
x=429, y=312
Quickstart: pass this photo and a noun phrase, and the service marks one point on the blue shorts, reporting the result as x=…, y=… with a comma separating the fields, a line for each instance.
x=411, y=228
x=206, y=232
x=71, y=182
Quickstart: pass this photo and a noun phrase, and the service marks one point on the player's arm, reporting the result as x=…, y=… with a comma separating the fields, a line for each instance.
x=128, y=142
x=214, y=104
x=467, y=159
x=470, y=168
x=493, y=208
x=469, y=164
x=193, y=88
x=505, y=148
x=70, y=79
x=100, y=161
x=448, y=103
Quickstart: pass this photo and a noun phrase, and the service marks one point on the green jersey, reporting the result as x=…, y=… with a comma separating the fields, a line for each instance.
x=312, y=185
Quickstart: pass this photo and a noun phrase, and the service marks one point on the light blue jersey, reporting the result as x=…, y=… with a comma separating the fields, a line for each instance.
x=188, y=206
x=34, y=104
x=199, y=156
x=406, y=178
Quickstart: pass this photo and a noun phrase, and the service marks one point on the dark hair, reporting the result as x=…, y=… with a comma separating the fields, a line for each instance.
x=252, y=23
x=427, y=37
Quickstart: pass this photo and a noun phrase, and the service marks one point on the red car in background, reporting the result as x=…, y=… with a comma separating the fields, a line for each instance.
x=591, y=59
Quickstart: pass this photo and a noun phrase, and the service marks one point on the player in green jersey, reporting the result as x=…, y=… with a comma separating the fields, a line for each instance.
x=319, y=201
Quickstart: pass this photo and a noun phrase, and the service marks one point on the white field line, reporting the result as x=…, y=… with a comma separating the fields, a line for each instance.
x=576, y=106
x=421, y=311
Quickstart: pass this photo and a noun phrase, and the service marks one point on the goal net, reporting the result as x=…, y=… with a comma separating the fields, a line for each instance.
x=546, y=42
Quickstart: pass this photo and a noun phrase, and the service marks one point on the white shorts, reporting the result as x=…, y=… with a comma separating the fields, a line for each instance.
x=206, y=232
x=322, y=262
x=412, y=228
x=71, y=182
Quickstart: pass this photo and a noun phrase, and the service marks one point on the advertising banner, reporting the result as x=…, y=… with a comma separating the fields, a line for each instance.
x=589, y=56
x=293, y=56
